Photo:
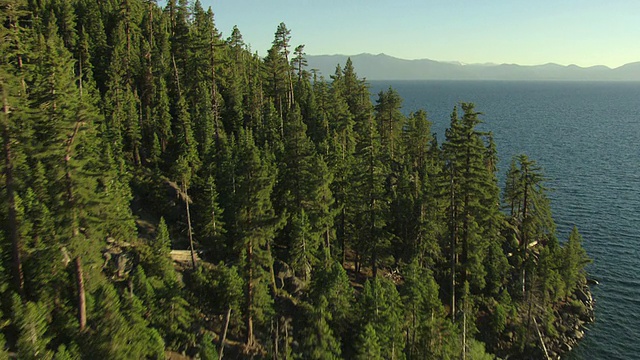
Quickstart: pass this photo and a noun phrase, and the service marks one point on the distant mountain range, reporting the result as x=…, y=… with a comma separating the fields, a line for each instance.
x=385, y=67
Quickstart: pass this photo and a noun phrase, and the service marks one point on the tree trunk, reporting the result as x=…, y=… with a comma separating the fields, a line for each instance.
x=523, y=232
x=82, y=304
x=249, y=314
x=271, y=271
x=544, y=347
x=214, y=94
x=175, y=71
x=464, y=329
x=70, y=199
x=276, y=340
x=454, y=235
x=189, y=231
x=224, y=333
x=343, y=219
x=327, y=244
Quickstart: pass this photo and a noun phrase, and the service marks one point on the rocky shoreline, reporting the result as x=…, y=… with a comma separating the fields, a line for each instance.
x=572, y=323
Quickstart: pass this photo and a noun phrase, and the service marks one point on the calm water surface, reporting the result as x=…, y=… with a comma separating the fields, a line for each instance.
x=586, y=136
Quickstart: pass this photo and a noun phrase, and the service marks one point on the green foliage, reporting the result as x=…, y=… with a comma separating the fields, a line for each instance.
x=575, y=258
x=276, y=164
x=4, y=353
x=368, y=347
x=31, y=320
x=120, y=330
x=207, y=349
x=381, y=306
x=318, y=341
x=498, y=320
x=64, y=353
x=477, y=351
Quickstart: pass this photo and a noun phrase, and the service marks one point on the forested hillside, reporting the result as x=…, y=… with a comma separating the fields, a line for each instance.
x=320, y=225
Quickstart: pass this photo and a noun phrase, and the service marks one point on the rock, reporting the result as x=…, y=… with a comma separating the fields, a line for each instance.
x=584, y=296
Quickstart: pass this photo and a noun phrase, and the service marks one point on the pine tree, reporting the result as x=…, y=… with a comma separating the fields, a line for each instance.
x=201, y=81
x=207, y=349
x=31, y=320
x=67, y=353
x=211, y=227
x=530, y=218
x=279, y=79
x=119, y=332
x=380, y=305
x=575, y=258
x=368, y=347
x=302, y=254
x=473, y=215
x=424, y=313
x=255, y=224
x=304, y=187
x=372, y=202
x=318, y=341
x=331, y=282
x=389, y=119
x=15, y=120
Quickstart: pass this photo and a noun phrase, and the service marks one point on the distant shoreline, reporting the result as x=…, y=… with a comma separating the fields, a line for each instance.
x=385, y=67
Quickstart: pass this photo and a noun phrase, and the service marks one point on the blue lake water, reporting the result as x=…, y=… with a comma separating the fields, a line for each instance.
x=586, y=136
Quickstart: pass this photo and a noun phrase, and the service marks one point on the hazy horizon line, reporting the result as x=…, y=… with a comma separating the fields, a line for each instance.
x=488, y=63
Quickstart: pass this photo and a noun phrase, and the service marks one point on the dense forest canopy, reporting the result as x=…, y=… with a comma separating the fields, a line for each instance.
x=318, y=225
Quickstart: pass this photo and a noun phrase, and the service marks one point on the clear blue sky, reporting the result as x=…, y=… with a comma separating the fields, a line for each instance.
x=585, y=33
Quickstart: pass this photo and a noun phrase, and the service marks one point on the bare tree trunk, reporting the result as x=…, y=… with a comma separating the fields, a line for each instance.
x=544, y=347
x=523, y=232
x=214, y=93
x=327, y=244
x=276, y=340
x=249, y=313
x=454, y=235
x=290, y=97
x=224, y=333
x=70, y=199
x=175, y=71
x=271, y=271
x=343, y=217
x=464, y=330
x=189, y=231
x=82, y=304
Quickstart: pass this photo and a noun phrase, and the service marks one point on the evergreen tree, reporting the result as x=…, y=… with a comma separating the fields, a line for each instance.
x=318, y=341
x=207, y=349
x=272, y=164
x=380, y=305
x=424, y=316
x=368, y=345
x=473, y=216
x=372, y=201
x=331, y=282
x=211, y=227
x=575, y=258
x=31, y=321
x=117, y=334
x=255, y=225
x=389, y=120
x=530, y=217
x=304, y=188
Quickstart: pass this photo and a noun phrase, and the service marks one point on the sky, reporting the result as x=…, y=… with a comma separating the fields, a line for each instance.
x=532, y=32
